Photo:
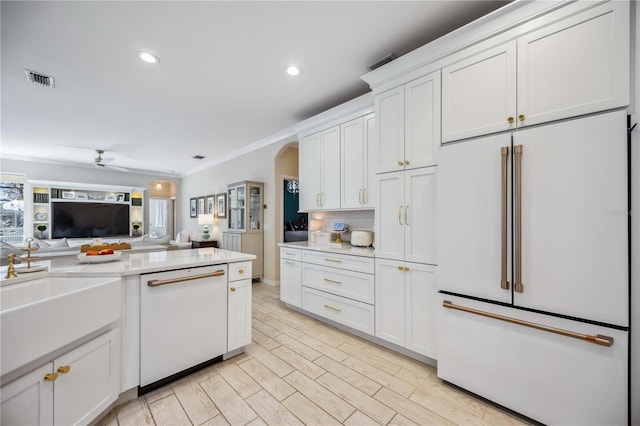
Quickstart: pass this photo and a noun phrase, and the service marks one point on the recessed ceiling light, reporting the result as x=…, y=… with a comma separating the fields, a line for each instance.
x=148, y=57
x=293, y=70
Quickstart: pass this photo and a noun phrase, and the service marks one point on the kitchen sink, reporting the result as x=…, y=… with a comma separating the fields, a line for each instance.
x=40, y=316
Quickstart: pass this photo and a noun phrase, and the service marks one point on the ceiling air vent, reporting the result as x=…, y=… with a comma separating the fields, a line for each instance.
x=39, y=78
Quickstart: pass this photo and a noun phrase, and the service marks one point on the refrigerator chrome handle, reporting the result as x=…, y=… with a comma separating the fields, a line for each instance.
x=504, y=151
x=518, y=286
x=597, y=339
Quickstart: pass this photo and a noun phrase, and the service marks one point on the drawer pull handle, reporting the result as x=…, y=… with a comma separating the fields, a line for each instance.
x=288, y=262
x=333, y=308
x=241, y=271
x=599, y=339
x=51, y=377
x=64, y=369
x=332, y=281
x=327, y=259
x=289, y=253
x=158, y=283
x=232, y=289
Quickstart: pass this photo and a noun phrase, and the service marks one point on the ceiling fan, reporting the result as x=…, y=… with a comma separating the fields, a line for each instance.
x=100, y=162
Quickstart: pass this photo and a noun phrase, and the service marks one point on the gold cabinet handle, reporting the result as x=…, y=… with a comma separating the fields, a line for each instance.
x=332, y=281
x=406, y=268
x=510, y=119
x=64, y=369
x=518, y=286
x=400, y=268
x=400, y=163
x=400, y=215
x=232, y=289
x=504, y=152
x=51, y=377
x=597, y=339
x=406, y=162
x=241, y=271
x=328, y=259
x=521, y=117
x=406, y=215
x=158, y=283
x=333, y=308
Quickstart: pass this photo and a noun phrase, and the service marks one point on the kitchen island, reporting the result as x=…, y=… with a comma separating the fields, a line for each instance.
x=95, y=353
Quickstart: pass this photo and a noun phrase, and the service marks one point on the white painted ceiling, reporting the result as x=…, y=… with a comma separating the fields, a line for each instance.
x=220, y=84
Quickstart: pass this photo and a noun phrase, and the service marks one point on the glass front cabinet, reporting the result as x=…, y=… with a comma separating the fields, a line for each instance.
x=246, y=201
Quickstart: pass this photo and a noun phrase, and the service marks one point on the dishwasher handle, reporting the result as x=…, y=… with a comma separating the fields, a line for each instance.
x=158, y=283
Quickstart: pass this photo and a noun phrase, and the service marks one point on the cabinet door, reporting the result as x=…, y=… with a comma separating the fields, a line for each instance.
x=422, y=121
x=310, y=183
x=352, y=161
x=421, y=303
x=389, y=218
x=330, y=169
x=239, y=311
x=420, y=215
x=390, y=301
x=91, y=383
x=389, y=144
x=479, y=94
x=576, y=66
x=574, y=218
x=368, y=193
x=291, y=282
x=470, y=224
x=28, y=401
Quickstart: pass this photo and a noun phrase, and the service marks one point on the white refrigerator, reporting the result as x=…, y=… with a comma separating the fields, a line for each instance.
x=533, y=269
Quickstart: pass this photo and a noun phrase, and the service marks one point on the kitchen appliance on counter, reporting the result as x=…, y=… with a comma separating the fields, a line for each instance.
x=361, y=238
x=534, y=272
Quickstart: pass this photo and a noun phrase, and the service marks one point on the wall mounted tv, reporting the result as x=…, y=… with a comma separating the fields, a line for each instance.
x=82, y=220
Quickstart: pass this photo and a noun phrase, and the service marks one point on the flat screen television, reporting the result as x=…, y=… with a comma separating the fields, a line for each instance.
x=82, y=220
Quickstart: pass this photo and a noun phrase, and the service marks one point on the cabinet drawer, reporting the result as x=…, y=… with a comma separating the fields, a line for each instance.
x=357, y=315
x=354, y=285
x=290, y=253
x=352, y=263
x=239, y=271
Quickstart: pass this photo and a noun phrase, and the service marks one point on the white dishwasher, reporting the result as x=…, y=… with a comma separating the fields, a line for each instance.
x=183, y=321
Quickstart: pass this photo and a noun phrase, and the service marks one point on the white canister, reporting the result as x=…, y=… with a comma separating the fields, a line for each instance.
x=312, y=236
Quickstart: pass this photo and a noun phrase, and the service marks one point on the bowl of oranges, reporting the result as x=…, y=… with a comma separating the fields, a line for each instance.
x=99, y=256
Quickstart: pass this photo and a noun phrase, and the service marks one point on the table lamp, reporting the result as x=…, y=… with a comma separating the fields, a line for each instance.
x=206, y=220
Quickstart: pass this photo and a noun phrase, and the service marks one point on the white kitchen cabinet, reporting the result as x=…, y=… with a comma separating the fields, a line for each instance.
x=407, y=305
x=239, y=314
x=355, y=137
x=406, y=216
x=408, y=125
x=72, y=389
x=320, y=173
x=28, y=400
x=571, y=67
x=291, y=276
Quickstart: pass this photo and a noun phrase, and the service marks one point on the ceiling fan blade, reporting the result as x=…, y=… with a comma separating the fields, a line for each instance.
x=122, y=169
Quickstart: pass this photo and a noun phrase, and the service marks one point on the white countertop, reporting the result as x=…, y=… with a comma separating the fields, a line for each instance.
x=345, y=249
x=131, y=264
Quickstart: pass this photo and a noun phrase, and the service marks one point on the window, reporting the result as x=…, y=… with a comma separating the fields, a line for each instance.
x=11, y=208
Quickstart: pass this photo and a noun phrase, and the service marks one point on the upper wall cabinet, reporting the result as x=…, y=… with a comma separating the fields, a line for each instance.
x=356, y=180
x=408, y=125
x=571, y=67
x=320, y=170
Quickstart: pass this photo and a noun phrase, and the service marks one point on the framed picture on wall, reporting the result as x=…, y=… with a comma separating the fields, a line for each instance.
x=209, y=203
x=200, y=205
x=193, y=207
x=221, y=205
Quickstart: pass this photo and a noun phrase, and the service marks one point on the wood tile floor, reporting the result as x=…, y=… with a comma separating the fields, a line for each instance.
x=301, y=371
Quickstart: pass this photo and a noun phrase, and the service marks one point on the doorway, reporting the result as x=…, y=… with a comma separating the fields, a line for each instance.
x=295, y=225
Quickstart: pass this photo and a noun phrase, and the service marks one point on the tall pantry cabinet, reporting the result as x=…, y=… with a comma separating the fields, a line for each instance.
x=406, y=146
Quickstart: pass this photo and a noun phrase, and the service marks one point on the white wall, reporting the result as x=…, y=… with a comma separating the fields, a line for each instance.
x=256, y=166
